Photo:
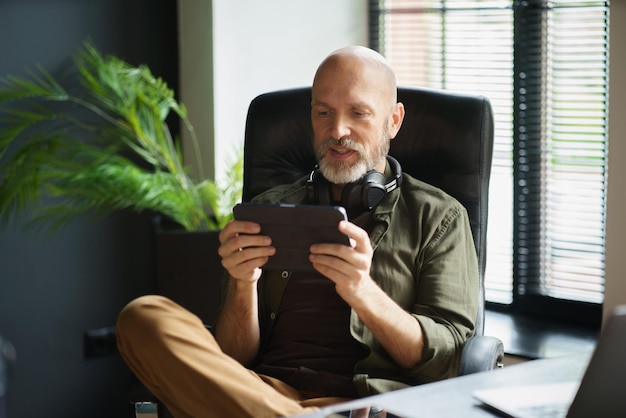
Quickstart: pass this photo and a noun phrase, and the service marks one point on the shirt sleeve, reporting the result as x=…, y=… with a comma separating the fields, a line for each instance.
x=447, y=296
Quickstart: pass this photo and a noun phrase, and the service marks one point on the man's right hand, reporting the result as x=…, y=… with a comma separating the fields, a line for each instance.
x=243, y=250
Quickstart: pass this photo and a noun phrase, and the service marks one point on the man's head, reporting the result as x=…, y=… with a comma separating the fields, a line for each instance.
x=354, y=112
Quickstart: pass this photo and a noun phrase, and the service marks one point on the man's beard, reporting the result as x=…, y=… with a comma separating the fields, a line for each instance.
x=341, y=172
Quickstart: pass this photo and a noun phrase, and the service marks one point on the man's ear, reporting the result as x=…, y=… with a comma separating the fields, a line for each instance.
x=395, y=121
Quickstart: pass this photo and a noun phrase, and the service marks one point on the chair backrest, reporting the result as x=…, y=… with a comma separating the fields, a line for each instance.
x=446, y=140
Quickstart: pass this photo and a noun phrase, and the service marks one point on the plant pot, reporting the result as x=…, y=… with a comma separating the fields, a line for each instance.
x=189, y=270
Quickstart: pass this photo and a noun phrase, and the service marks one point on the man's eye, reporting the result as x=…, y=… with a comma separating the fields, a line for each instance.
x=323, y=113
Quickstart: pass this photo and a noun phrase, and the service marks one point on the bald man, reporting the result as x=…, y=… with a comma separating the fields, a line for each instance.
x=390, y=311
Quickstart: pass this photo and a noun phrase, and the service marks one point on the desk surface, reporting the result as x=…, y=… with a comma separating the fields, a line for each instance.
x=453, y=397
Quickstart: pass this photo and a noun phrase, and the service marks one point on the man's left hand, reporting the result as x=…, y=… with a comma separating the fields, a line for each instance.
x=347, y=266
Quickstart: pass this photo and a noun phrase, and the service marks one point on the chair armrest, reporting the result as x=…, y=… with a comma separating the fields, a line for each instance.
x=481, y=353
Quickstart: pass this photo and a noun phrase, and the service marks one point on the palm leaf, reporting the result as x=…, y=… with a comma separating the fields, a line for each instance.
x=39, y=85
x=109, y=150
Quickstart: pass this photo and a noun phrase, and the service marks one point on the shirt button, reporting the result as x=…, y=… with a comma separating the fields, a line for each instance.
x=272, y=316
x=284, y=274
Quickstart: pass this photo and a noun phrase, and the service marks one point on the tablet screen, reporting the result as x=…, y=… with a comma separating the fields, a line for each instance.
x=293, y=229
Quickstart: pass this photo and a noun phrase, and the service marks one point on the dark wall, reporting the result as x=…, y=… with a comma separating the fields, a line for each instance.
x=53, y=288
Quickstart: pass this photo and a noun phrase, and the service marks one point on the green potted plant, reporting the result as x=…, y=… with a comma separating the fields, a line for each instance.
x=100, y=144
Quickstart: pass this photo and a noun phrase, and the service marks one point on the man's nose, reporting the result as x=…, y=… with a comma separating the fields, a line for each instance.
x=340, y=128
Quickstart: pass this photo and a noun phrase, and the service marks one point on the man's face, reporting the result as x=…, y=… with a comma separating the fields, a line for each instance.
x=351, y=119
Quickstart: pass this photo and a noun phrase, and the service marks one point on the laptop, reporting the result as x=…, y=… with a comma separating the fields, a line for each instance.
x=600, y=393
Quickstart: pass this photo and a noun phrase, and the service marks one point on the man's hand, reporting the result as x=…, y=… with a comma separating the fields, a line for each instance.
x=349, y=268
x=243, y=253
x=243, y=250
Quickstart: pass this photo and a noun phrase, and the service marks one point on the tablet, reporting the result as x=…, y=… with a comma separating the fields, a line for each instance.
x=293, y=229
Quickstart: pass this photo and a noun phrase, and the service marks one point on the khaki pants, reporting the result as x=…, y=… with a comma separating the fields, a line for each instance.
x=172, y=353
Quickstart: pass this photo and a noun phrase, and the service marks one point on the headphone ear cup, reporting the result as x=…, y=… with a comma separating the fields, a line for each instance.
x=372, y=196
x=366, y=193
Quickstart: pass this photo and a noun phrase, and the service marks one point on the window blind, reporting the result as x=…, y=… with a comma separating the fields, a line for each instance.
x=560, y=145
x=543, y=65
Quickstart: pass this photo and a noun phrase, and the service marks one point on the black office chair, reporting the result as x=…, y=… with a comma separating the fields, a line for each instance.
x=446, y=140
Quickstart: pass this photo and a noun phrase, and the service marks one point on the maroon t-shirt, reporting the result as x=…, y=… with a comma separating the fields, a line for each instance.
x=311, y=347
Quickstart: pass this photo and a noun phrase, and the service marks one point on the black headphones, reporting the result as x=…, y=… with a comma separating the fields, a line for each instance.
x=364, y=194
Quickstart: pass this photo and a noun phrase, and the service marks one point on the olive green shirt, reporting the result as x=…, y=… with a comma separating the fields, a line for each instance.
x=425, y=260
